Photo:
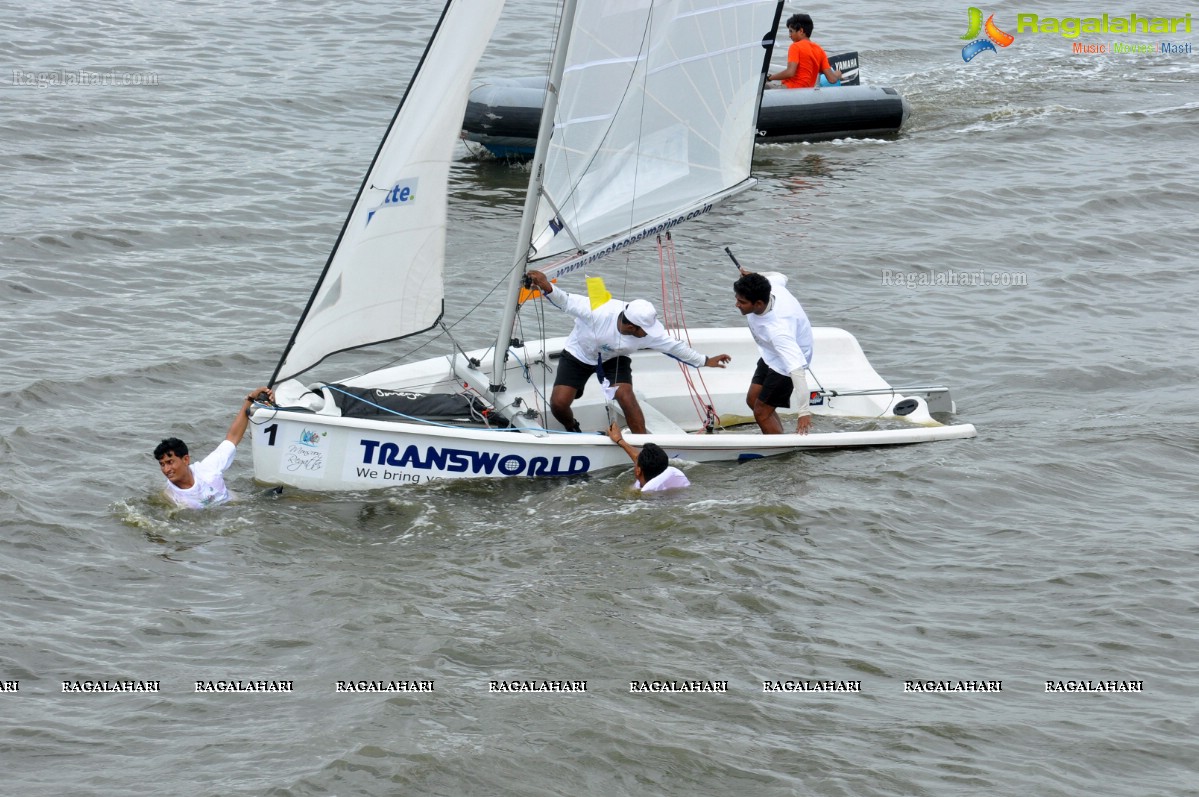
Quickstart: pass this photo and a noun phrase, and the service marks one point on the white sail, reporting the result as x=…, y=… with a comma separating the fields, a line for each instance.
x=384, y=278
x=656, y=115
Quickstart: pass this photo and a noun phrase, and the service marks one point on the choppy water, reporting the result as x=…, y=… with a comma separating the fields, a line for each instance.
x=159, y=240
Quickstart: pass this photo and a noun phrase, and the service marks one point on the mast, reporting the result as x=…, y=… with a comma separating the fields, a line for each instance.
x=532, y=197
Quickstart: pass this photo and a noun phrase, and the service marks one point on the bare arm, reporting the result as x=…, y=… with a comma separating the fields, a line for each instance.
x=790, y=71
x=237, y=429
x=615, y=436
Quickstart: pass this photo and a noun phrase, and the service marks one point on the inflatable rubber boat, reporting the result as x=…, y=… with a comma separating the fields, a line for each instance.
x=502, y=114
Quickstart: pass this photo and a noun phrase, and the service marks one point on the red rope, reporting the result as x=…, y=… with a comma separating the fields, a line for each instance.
x=675, y=318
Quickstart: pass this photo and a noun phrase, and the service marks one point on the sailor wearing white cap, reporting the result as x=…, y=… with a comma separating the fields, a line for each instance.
x=601, y=342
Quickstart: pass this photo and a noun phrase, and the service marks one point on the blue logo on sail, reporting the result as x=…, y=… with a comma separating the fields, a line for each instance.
x=400, y=194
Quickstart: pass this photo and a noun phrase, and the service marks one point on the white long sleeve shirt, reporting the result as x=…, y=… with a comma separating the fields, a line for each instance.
x=595, y=334
x=783, y=333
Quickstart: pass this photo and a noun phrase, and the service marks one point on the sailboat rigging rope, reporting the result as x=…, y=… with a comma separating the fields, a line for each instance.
x=541, y=394
x=453, y=341
x=575, y=174
x=445, y=328
x=675, y=318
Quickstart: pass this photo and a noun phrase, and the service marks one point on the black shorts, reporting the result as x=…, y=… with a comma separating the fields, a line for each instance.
x=776, y=388
x=574, y=372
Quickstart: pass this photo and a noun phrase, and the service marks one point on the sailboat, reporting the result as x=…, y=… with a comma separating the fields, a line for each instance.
x=648, y=124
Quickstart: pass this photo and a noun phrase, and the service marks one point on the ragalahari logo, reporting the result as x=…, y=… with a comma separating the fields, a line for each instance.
x=994, y=35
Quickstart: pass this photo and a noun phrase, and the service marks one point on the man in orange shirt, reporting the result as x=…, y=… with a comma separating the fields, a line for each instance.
x=806, y=61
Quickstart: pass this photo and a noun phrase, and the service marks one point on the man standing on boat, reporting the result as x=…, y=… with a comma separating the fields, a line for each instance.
x=203, y=485
x=784, y=337
x=602, y=340
x=806, y=60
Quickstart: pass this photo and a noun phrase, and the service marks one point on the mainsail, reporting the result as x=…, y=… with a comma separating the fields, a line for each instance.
x=655, y=116
x=384, y=278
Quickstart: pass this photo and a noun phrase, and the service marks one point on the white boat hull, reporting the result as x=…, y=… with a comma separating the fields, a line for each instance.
x=318, y=450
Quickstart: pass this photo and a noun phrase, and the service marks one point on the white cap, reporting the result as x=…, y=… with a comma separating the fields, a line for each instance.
x=641, y=313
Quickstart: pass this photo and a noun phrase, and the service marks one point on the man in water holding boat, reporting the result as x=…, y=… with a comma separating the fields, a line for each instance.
x=203, y=485
x=651, y=465
x=784, y=337
x=806, y=60
x=602, y=340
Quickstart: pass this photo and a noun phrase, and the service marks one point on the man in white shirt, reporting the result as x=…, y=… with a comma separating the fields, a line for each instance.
x=203, y=484
x=784, y=337
x=651, y=466
x=604, y=338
